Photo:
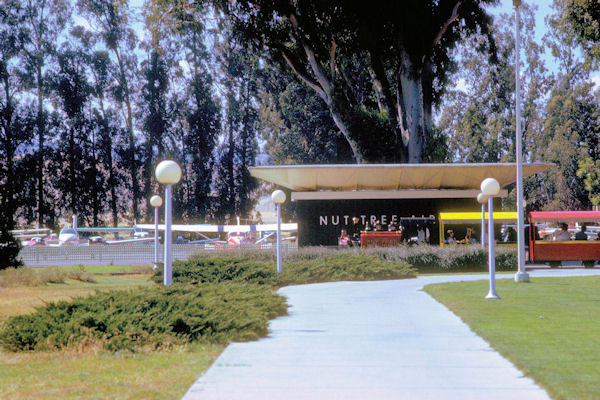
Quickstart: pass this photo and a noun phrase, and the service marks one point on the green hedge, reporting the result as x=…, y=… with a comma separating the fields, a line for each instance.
x=147, y=318
x=458, y=258
x=334, y=267
x=220, y=269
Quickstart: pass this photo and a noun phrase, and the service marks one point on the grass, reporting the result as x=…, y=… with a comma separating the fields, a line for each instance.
x=71, y=375
x=103, y=375
x=549, y=328
x=23, y=299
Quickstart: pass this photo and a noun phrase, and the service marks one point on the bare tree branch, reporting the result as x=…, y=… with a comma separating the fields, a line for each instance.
x=450, y=20
x=301, y=72
x=332, y=58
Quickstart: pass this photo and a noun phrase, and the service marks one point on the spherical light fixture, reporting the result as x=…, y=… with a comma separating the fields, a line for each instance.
x=168, y=172
x=278, y=197
x=490, y=187
x=482, y=198
x=156, y=201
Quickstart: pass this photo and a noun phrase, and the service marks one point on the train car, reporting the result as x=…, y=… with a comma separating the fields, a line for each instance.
x=574, y=237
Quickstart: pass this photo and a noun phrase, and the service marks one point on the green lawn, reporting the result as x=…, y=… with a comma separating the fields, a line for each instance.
x=549, y=328
x=92, y=373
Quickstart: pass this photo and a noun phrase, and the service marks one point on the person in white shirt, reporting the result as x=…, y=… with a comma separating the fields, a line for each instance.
x=562, y=234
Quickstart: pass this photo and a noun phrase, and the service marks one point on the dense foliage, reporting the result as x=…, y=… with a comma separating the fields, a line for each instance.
x=379, y=68
x=329, y=268
x=93, y=93
x=149, y=318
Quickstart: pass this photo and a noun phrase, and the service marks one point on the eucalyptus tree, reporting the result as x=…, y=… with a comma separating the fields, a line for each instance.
x=155, y=117
x=240, y=79
x=108, y=131
x=582, y=18
x=379, y=67
x=13, y=122
x=194, y=113
x=44, y=21
x=70, y=83
x=111, y=22
x=295, y=123
x=571, y=131
x=478, y=114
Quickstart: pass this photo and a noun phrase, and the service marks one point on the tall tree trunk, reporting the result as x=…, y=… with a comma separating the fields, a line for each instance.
x=41, y=147
x=8, y=202
x=410, y=110
x=130, y=137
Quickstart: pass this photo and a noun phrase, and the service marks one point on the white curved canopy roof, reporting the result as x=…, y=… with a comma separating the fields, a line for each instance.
x=391, y=176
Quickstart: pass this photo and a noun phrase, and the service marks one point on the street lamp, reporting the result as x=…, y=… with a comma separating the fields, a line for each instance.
x=482, y=199
x=490, y=188
x=521, y=275
x=168, y=173
x=156, y=202
x=278, y=198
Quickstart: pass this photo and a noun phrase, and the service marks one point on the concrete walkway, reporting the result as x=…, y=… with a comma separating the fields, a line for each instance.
x=368, y=340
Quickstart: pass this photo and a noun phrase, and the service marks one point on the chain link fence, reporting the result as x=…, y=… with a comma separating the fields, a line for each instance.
x=124, y=254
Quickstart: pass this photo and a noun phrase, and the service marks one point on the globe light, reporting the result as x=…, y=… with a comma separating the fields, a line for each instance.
x=490, y=187
x=482, y=198
x=278, y=197
x=156, y=201
x=168, y=172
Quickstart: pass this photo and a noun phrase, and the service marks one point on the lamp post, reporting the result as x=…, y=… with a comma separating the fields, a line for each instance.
x=168, y=173
x=482, y=199
x=521, y=275
x=156, y=202
x=278, y=198
x=490, y=188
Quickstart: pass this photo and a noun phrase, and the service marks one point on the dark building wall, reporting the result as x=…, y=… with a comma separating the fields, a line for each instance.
x=321, y=221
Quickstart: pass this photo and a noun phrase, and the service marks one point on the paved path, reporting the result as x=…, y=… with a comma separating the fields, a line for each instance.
x=368, y=340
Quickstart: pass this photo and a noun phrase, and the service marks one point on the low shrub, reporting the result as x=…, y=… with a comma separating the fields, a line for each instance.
x=343, y=267
x=203, y=269
x=459, y=258
x=329, y=268
x=426, y=258
x=149, y=318
x=21, y=276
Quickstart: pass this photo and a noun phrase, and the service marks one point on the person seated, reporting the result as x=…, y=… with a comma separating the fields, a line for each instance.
x=392, y=227
x=562, y=234
x=368, y=227
x=510, y=235
x=581, y=235
x=468, y=236
x=450, y=238
x=378, y=226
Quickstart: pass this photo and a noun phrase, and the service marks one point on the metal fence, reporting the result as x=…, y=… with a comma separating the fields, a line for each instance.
x=124, y=254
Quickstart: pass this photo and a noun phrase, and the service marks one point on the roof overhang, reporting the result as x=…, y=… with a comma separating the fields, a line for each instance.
x=392, y=177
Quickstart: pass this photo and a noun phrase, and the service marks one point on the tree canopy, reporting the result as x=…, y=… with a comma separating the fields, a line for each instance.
x=380, y=67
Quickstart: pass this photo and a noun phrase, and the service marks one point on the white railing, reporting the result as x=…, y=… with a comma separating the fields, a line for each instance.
x=123, y=254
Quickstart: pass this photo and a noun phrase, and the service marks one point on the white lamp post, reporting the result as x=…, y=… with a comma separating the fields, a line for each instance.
x=490, y=187
x=156, y=202
x=278, y=198
x=482, y=199
x=168, y=173
x=521, y=275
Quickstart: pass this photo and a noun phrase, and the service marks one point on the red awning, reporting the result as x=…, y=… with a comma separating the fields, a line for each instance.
x=581, y=216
